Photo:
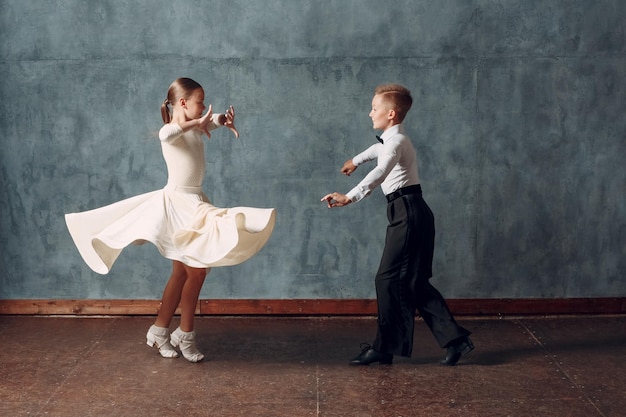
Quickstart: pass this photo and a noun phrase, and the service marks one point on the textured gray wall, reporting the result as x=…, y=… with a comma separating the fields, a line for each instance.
x=519, y=123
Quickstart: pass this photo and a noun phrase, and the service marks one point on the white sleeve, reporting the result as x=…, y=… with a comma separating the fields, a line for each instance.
x=170, y=132
x=215, y=121
x=387, y=158
x=369, y=154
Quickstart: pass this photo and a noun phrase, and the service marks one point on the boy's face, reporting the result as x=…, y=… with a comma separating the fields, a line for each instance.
x=382, y=113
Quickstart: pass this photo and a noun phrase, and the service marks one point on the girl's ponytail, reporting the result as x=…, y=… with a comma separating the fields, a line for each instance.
x=165, y=111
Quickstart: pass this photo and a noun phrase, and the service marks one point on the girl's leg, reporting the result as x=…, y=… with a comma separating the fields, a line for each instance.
x=190, y=295
x=172, y=295
x=159, y=333
x=184, y=336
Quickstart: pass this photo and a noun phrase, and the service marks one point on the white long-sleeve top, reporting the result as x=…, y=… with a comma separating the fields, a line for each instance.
x=396, y=167
x=184, y=153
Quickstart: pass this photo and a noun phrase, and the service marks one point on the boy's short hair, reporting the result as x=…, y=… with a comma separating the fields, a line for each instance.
x=398, y=95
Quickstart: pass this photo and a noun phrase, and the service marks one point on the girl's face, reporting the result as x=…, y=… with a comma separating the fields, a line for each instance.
x=381, y=113
x=194, y=105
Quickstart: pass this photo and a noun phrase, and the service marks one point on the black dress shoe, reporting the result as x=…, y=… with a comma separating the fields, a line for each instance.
x=369, y=355
x=455, y=351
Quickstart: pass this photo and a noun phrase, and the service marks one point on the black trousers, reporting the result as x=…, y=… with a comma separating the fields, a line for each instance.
x=402, y=280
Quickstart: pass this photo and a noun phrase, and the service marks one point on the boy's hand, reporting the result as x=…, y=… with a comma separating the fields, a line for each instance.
x=336, y=200
x=348, y=167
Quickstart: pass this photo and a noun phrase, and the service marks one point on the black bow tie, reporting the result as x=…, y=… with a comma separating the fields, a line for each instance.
x=379, y=139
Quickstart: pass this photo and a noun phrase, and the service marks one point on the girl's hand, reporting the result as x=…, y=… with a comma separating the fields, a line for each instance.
x=203, y=122
x=229, y=120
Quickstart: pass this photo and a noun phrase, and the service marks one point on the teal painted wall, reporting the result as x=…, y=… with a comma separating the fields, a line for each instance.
x=519, y=124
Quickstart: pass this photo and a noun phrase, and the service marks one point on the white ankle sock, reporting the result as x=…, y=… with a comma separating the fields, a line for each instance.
x=160, y=336
x=187, y=344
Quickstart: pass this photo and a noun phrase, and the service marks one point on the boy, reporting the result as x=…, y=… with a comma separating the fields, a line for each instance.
x=402, y=280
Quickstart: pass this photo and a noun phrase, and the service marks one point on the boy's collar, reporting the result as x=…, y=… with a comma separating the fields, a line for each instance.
x=398, y=128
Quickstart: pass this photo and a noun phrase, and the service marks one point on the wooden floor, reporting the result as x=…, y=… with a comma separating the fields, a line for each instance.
x=273, y=366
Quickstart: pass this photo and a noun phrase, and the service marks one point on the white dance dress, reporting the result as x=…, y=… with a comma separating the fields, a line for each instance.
x=178, y=219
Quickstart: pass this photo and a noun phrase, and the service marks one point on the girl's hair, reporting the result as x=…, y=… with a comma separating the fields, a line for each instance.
x=180, y=88
x=398, y=95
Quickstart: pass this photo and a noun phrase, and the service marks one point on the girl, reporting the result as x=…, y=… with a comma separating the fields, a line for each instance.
x=178, y=219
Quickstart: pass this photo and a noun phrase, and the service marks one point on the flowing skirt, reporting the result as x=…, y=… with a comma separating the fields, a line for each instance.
x=180, y=221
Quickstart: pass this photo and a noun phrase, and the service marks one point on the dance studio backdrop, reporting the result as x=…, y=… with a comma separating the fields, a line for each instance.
x=519, y=121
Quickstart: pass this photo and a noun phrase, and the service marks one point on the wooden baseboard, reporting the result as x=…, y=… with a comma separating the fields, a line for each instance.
x=314, y=307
